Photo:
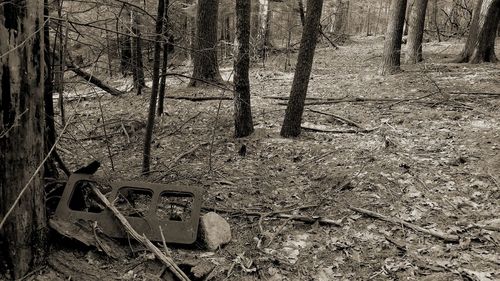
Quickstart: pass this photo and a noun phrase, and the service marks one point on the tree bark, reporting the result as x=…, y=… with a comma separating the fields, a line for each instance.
x=434, y=18
x=295, y=108
x=22, y=130
x=92, y=79
x=154, y=90
x=243, y=123
x=416, y=32
x=480, y=45
x=205, y=57
x=301, y=13
x=391, y=59
x=263, y=37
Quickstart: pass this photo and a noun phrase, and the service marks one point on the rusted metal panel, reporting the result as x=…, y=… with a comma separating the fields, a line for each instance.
x=147, y=207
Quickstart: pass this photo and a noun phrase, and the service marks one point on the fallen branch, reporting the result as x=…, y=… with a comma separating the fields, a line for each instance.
x=312, y=129
x=195, y=99
x=438, y=234
x=281, y=215
x=92, y=79
x=167, y=261
x=340, y=118
x=476, y=94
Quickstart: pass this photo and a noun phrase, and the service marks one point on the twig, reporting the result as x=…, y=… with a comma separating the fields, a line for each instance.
x=167, y=251
x=182, y=125
x=126, y=133
x=438, y=234
x=142, y=238
x=179, y=157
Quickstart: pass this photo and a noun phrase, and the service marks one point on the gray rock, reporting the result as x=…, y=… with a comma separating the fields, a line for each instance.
x=214, y=231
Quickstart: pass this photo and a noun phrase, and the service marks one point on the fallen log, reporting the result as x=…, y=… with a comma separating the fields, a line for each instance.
x=92, y=79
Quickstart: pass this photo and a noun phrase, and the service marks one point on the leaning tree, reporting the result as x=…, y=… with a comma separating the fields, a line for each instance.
x=391, y=59
x=480, y=45
x=22, y=63
x=295, y=108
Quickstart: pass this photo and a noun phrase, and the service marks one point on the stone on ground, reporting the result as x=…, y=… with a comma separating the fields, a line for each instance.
x=214, y=231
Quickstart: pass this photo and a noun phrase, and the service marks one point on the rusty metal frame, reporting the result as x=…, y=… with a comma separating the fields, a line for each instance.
x=182, y=232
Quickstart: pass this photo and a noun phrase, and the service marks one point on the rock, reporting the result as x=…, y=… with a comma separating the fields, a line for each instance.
x=214, y=231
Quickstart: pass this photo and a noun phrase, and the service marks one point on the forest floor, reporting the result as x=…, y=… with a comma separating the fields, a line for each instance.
x=421, y=146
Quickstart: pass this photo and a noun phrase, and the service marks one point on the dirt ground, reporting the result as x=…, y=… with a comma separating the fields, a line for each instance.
x=421, y=146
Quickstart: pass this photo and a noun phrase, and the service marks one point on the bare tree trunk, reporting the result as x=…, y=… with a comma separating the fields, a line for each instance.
x=263, y=43
x=338, y=23
x=22, y=130
x=295, y=108
x=416, y=32
x=136, y=53
x=205, y=62
x=480, y=45
x=163, y=79
x=407, y=17
x=154, y=90
x=301, y=12
x=391, y=59
x=243, y=123
x=434, y=18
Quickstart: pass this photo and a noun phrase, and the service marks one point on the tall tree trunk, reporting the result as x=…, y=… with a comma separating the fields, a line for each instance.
x=205, y=62
x=407, y=17
x=416, y=32
x=391, y=59
x=338, y=23
x=22, y=129
x=264, y=28
x=295, y=108
x=163, y=79
x=434, y=18
x=243, y=123
x=154, y=90
x=480, y=45
x=136, y=52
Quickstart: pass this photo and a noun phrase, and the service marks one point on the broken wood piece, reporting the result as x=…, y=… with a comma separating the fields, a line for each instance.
x=438, y=234
x=142, y=238
x=87, y=236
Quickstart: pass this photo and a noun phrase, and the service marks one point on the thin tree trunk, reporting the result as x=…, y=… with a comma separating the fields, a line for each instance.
x=163, y=79
x=416, y=32
x=136, y=53
x=391, y=59
x=205, y=63
x=242, y=110
x=301, y=12
x=154, y=90
x=295, y=108
x=22, y=80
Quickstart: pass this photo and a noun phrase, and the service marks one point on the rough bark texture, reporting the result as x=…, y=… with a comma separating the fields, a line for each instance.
x=480, y=45
x=242, y=110
x=416, y=32
x=391, y=59
x=166, y=47
x=154, y=90
x=205, y=57
x=22, y=131
x=295, y=108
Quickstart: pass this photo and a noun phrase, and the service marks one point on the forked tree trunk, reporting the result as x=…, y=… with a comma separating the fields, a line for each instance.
x=243, y=123
x=154, y=89
x=205, y=62
x=480, y=45
x=416, y=32
x=391, y=59
x=295, y=108
x=22, y=129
